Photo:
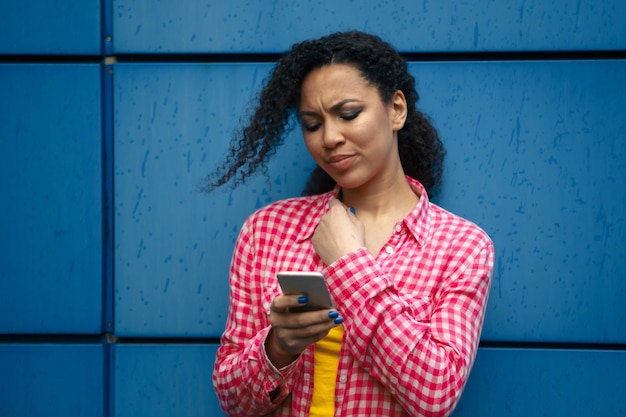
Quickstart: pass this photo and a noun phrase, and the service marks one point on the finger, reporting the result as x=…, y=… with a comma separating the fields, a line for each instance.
x=298, y=320
x=280, y=304
x=337, y=203
x=303, y=336
x=312, y=322
x=334, y=202
x=283, y=303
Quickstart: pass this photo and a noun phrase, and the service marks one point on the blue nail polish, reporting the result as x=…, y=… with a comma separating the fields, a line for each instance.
x=333, y=314
x=338, y=320
x=352, y=210
x=303, y=299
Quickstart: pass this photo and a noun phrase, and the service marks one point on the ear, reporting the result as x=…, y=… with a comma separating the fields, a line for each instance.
x=398, y=110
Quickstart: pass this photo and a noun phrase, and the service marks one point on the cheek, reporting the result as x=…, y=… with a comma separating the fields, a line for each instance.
x=312, y=145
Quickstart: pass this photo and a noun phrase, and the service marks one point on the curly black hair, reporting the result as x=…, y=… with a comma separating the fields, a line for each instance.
x=421, y=151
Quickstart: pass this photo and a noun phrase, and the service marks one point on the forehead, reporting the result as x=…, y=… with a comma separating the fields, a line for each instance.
x=333, y=82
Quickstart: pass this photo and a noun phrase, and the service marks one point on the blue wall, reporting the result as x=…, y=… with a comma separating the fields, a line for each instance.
x=113, y=266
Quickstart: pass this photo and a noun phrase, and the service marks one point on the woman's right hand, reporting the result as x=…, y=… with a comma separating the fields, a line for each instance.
x=338, y=232
x=292, y=331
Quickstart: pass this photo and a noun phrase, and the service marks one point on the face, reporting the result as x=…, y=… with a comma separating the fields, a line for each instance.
x=347, y=128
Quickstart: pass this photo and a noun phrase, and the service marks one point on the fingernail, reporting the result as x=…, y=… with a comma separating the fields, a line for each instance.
x=303, y=299
x=333, y=314
x=338, y=320
x=352, y=210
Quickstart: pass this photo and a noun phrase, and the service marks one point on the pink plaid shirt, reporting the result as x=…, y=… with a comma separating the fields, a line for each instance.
x=413, y=314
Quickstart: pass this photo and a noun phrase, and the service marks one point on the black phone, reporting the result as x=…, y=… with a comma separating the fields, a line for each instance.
x=311, y=284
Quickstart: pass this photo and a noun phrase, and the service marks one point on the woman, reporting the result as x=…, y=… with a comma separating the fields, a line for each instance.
x=409, y=280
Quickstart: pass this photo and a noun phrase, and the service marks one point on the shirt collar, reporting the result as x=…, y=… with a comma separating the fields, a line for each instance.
x=417, y=221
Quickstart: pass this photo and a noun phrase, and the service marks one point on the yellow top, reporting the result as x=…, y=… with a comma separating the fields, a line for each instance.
x=325, y=373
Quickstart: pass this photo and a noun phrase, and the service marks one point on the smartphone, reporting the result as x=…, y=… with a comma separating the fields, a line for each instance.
x=311, y=284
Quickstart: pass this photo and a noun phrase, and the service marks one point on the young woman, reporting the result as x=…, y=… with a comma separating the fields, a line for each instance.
x=409, y=280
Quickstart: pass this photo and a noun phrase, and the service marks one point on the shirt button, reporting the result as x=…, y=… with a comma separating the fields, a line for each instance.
x=343, y=379
x=398, y=228
x=389, y=250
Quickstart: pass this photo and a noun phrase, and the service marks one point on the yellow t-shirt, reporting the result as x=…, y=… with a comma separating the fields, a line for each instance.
x=325, y=373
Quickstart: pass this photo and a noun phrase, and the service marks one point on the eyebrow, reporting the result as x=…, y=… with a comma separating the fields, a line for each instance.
x=334, y=108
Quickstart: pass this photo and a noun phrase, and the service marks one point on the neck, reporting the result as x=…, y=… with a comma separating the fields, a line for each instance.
x=391, y=199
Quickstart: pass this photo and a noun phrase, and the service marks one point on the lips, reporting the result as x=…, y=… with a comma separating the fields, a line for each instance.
x=340, y=162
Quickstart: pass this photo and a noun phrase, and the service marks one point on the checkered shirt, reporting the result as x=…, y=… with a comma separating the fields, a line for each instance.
x=413, y=314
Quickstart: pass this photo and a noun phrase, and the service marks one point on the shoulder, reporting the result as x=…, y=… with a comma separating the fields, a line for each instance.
x=287, y=213
x=455, y=230
x=442, y=228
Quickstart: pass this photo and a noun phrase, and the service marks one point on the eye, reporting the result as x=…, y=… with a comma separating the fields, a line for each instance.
x=310, y=127
x=350, y=115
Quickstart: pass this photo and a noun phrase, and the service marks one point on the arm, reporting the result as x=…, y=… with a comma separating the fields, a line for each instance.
x=420, y=349
x=246, y=382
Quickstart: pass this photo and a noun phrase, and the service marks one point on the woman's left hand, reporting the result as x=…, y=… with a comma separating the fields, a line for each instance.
x=338, y=233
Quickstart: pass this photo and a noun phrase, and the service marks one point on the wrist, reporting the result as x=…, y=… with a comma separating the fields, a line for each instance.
x=279, y=356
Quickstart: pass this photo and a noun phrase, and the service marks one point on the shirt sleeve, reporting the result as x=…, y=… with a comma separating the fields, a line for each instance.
x=421, y=348
x=245, y=381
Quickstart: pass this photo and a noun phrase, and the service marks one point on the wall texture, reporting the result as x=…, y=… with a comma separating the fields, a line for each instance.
x=113, y=265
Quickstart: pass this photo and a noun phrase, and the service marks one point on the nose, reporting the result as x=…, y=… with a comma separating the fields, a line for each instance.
x=332, y=135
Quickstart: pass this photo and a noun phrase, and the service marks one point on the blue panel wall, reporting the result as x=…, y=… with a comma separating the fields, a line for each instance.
x=526, y=129
x=545, y=382
x=52, y=380
x=50, y=27
x=536, y=156
x=114, y=264
x=51, y=222
x=192, y=26
x=164, y=380
x=173, y=243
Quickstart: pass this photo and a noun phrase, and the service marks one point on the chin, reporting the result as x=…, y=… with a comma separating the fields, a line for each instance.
x=348, y=183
